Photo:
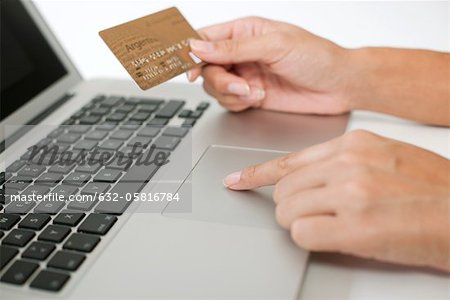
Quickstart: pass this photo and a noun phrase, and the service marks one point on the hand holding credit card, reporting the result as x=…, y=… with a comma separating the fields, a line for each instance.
x=154, y=48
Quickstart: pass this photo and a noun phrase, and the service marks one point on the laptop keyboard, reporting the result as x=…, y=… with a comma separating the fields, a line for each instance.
x=43, y=243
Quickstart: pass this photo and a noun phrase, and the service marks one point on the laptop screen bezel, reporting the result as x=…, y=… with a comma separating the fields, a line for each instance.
x=50, y=95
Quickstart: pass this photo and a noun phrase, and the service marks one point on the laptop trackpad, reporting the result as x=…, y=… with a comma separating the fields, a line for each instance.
x=203, y=197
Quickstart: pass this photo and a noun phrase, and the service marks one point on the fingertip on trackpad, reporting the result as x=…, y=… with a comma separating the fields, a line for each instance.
x=203, y=197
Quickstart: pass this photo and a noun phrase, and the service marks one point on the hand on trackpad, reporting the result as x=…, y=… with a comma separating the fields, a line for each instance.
x=212, y=202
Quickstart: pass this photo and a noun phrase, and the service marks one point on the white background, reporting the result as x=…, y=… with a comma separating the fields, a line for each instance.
x=351, y=24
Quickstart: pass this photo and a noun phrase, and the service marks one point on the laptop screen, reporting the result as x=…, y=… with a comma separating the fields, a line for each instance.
x=27, y=62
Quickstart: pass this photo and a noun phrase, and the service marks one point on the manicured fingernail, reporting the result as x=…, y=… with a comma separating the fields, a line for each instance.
x=232, y=179
x=238, y=88
x=256, y=94
x=201, y=46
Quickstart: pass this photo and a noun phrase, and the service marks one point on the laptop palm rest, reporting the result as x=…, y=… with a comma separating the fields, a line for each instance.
x=203, y=197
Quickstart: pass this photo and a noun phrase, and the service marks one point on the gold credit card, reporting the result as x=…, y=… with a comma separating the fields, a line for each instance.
x=154, y=48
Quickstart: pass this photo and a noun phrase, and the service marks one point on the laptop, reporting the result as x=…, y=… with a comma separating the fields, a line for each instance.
x=134, y=229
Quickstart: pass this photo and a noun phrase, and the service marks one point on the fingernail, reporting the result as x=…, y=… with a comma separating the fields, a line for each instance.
x=239, y=88
x=201, y=46
x=232, y=179
x=256, y=94
x=189, y=75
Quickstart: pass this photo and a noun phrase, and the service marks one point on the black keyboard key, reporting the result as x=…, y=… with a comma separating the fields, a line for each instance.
x=1, y=232
x=98, y=98
x=77, y=178
x=49, y=281
x=149, y=131
x=121, y=163
x=6, y=254
x=66, y=260
x=111, y=145
x=185, y=113
x=131, y=152
x=18, y=183
x=89, y=120
x=7, y=221
x=112, y=101
x=38, y=250
x=19, y=207
x=158, y=122
x=50, y=179
x=86, y=145
x=116, y=117
x=96, y=135
x=132, y=182
x=2, y=178
x=36, y=190
x=108, y=175
x=18, y=237
x=166, y=142
x=19, y=272
x=56, y=132
x=125, y=108
x=68, y=218
x=34, y=221
x=31, y=171
x=95, y=188
x=101, y=111
x=54, y=233
x=189, y=122
x=170, y=109
x=140, y=116
x=196, y=114
x=202, y=106
x=89, y=168
x=175, y=131
x=15, y=166
x=81, y=242
x=106, y=127
x=139, y=141
x=45, y=159
x=64, y=191
x=61, y=168
x=68, y=138
x=97, y=223
x=121, y=135
x=131, y=125
x=79, y=128
x=49, y=207
x=148, y=108
x=140, y=100
x=83, y=204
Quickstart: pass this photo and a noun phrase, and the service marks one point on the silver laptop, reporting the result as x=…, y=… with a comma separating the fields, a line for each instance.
x=74, y=229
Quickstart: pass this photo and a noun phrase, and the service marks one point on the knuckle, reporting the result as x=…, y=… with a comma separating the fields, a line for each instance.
x=249, y=173
x=357, y=137
x=281, y=215
x=360, y=195
x=284, y=163
x=349, y=158
x=229, y=46
x=302, y=238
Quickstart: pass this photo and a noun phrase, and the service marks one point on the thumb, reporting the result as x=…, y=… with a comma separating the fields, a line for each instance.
x=234, y=51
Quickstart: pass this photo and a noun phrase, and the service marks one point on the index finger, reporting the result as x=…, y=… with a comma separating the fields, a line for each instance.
x=270, y=172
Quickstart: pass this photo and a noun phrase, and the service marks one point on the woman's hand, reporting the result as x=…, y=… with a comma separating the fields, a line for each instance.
x=361, y=194
x=255, y=62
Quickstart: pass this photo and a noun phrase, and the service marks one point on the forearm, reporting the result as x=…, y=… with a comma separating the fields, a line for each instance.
x=413, y=84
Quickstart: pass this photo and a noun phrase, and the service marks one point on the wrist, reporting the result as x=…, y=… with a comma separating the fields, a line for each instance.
x=361, y=78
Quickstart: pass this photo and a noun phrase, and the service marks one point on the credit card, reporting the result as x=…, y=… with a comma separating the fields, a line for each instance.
x=154, y=48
